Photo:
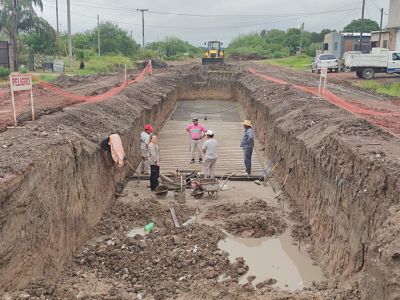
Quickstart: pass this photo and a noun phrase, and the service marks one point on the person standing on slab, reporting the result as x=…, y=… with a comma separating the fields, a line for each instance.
x=144, y=151
x=154, y=162
x=196, y=132
x=209, y=149
x=247, y=143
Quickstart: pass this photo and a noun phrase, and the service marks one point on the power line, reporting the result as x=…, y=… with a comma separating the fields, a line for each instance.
x=98, y=34
x=283, y=17
x=111, y=7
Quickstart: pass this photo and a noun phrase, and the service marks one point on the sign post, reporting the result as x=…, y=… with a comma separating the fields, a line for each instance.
x=21, y=82
x=322, y=82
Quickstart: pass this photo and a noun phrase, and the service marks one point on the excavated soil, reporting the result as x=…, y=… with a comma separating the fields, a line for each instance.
x=254, y=218
x=168, y=263
x=160, y=264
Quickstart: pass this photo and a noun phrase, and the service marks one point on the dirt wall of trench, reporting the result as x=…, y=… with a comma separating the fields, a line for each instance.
x=56, y=183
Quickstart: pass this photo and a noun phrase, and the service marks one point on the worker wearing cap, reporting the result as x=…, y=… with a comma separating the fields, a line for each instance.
x=196, y=132
x=209, y=149
x=247, y=143
x=144, y=148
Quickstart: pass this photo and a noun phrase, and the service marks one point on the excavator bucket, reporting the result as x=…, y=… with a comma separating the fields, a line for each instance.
x=212, y=60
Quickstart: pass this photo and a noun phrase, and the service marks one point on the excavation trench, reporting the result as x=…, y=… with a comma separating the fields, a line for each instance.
x=56, y=183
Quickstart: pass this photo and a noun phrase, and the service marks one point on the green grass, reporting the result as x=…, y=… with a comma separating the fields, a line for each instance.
x=47, y=77
x=294, y=62
x=391, y=89
x=100, y=64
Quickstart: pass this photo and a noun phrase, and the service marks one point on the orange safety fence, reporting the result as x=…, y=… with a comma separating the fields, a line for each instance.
x=49, y=98
x=101, y=97
x=371, y=115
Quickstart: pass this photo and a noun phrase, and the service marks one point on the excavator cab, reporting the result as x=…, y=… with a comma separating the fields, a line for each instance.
x=214, y=53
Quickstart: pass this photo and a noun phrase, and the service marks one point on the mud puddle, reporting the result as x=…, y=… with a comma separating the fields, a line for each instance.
x=276, y=258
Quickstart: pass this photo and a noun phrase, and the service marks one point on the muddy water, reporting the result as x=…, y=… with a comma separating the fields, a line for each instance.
x=274, y=258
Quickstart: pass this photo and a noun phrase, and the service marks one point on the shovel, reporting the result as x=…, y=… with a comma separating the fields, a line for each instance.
x=265, y=171
x=270, y=172
x=284, y=182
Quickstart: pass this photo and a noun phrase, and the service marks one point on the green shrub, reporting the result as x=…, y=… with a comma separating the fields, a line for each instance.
x=23, y=69
x=4, y=72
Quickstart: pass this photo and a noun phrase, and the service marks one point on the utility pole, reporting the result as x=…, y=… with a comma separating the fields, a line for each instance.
x=14, y=37
x=58, y=30
x=132, y=34
x=301, y=37
x=58, y=26
x=362, y=25
x=98, y=34
x=69, y=34
x=142, y=10
x=380, y=29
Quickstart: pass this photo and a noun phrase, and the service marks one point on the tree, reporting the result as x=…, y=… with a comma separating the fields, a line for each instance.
x=292, y=39
x=172, y=48
x=16, y=16
x=355, y=26
x=41, y=39
x=275, y=36
x=113, y=39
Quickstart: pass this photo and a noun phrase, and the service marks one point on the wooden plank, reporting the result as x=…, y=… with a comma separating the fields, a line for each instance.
x=174, y=140
x=174, y=218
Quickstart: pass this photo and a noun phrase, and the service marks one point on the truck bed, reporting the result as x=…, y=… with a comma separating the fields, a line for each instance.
x=352, y=60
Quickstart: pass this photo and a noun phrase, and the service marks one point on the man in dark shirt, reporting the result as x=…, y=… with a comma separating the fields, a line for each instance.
x=247, y=143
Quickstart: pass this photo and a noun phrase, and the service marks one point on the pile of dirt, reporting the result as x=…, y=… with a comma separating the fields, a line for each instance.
x=118, y=265
x=64, y=81
x=155, y=63
x=254, y=218
x=124, y=217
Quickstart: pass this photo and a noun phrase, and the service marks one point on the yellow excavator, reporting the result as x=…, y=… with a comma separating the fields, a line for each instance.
x=214, y=53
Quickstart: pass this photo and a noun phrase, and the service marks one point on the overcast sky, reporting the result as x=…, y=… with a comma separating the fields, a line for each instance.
x=199, y=21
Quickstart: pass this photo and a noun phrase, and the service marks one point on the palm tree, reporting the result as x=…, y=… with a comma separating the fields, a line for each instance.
x=16, y=16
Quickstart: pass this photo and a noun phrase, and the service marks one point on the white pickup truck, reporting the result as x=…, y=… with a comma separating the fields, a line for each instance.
x=378, y=61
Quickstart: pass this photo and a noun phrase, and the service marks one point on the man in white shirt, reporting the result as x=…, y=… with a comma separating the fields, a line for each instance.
x=144, y=149
x=209, y=148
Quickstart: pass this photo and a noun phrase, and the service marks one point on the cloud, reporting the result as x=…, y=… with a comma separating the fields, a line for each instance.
x=210, y=19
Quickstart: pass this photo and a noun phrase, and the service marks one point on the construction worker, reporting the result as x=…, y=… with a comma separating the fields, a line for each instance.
x=144, y=151
x=196, y=132
x=210, y=155
x=247, y=143
x=154, y=162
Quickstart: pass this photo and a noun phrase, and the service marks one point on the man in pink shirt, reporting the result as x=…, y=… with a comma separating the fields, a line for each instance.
x=196, y=132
